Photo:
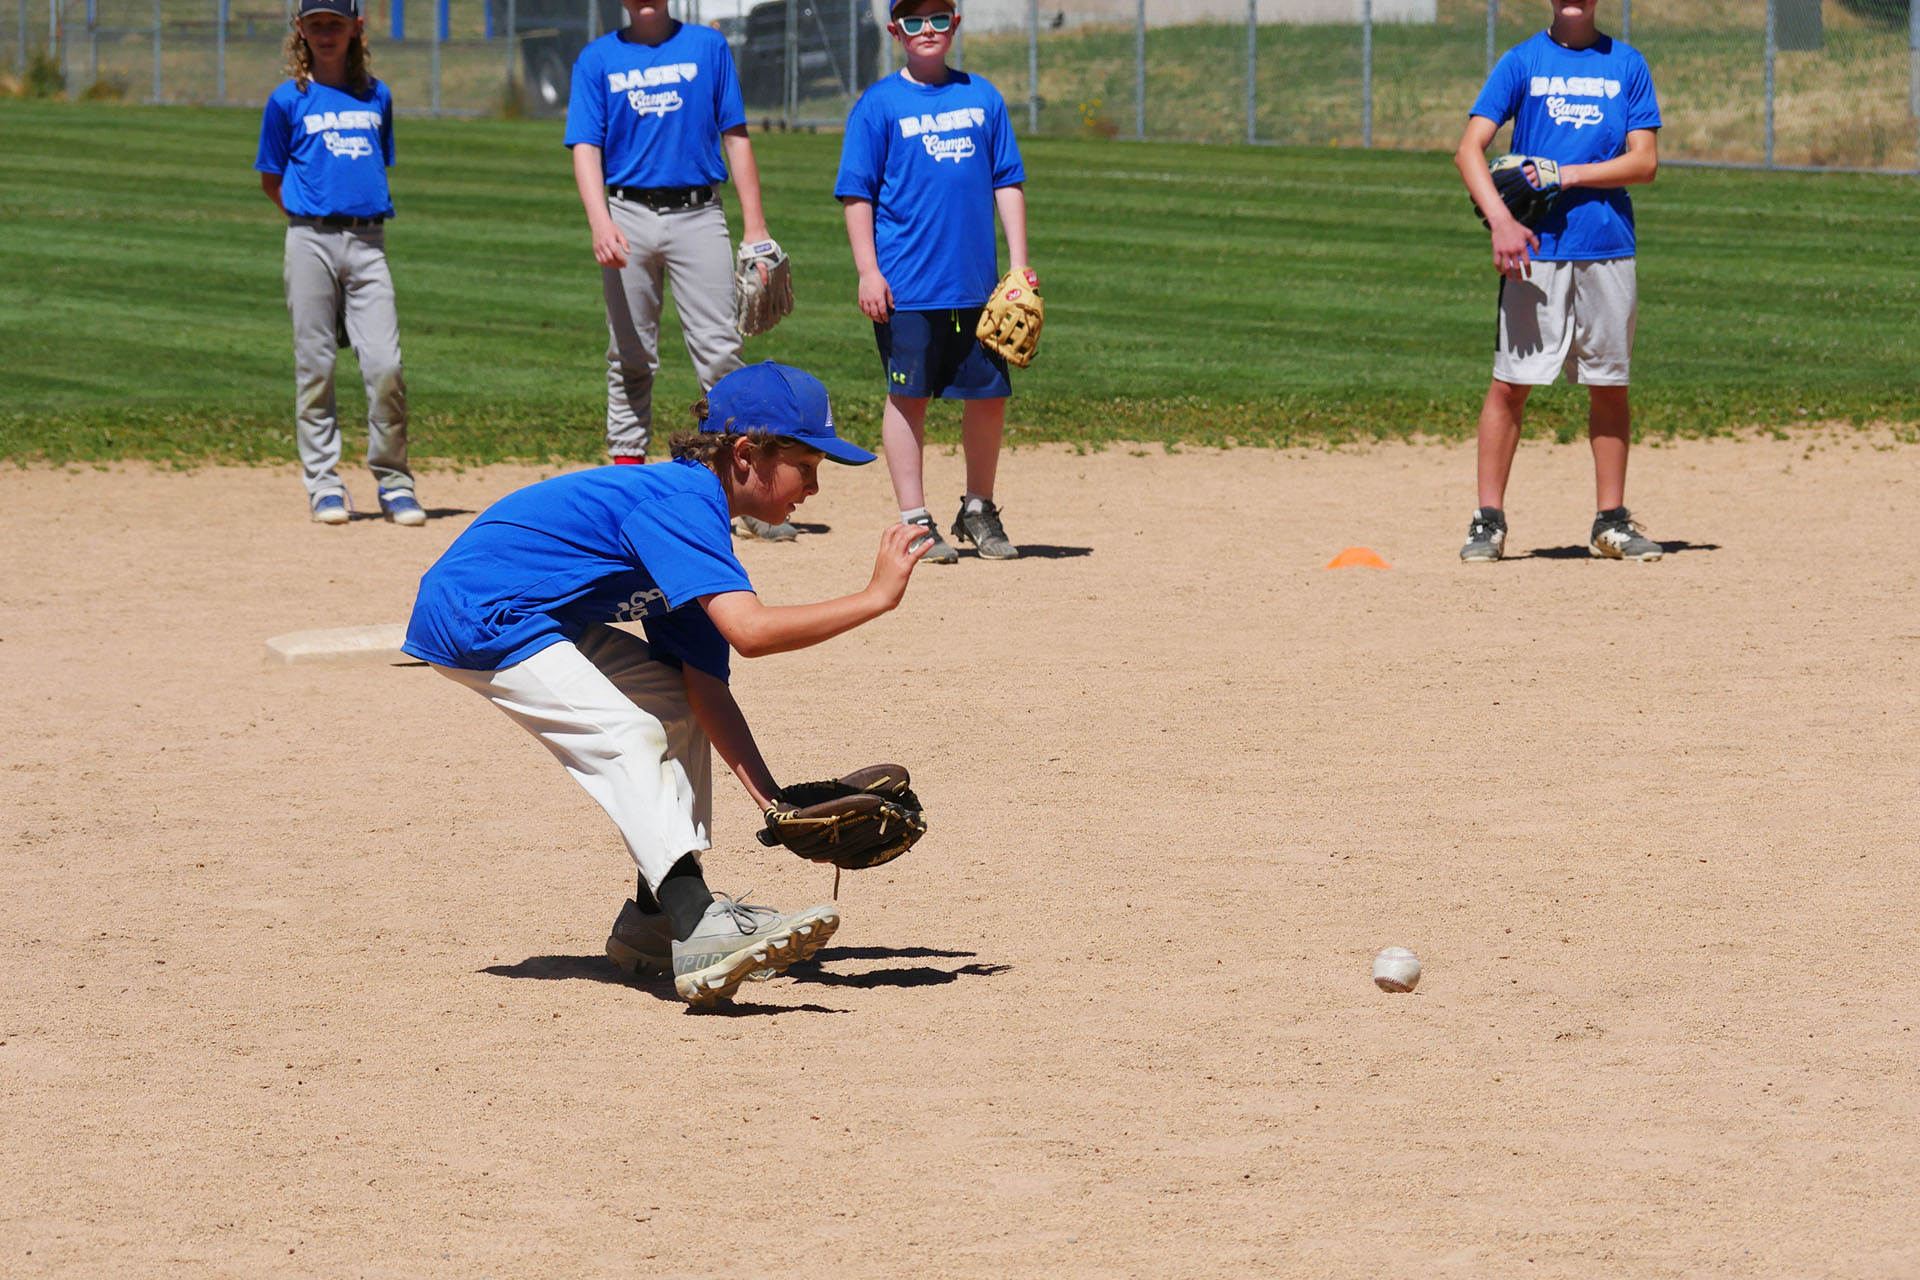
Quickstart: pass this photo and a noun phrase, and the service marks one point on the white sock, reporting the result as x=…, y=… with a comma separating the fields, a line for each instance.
x=977, y=501
x=908, y=517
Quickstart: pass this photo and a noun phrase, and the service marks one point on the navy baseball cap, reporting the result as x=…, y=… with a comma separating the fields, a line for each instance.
x=779, y=400
x=345, y=8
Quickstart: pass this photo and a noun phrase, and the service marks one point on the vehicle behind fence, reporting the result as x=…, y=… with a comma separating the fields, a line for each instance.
x=1783, y=83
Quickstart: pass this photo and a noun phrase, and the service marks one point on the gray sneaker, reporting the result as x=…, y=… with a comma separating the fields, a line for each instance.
x=942, y=551
x=735, y=940
x=640, y=944
x=979, y=523
x=749, y=527
x=1486, y=535
x=1616, y=536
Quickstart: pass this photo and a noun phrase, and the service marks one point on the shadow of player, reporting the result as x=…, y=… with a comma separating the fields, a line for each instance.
x=1040, y=551
x=1580, y=551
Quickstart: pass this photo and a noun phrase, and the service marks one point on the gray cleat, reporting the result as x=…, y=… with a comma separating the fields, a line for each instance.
x=1486, y=535
x=735, y=941
x=752, y=528
x=640, y=943
x=1616, y=536
x=942, y=551
x=979, y=523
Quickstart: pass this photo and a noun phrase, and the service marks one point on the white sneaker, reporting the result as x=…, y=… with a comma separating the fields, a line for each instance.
x=735, y=940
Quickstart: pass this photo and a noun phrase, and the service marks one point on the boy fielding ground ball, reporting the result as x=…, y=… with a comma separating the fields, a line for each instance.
x=519, y=608
x=326, y=140
x=929, y=158
x=1568, y=294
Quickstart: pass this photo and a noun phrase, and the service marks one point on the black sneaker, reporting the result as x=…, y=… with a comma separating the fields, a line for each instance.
x=1486, y=535
x=941, y=552
x=1616, y=536
x=979, y=523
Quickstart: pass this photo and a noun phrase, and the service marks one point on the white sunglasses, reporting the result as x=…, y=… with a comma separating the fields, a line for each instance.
x=939, y=22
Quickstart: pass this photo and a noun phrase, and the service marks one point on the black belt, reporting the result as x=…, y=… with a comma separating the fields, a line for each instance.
x=331, y=220
x=662, y=199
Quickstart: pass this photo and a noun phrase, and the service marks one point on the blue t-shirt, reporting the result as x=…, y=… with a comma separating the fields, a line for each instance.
x=656, y=111
x=1575, y=106
x=930, y=157
x=613, y=544
x=333, y=148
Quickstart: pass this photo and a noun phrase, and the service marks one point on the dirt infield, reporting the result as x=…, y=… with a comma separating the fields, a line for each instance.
x=304, y=969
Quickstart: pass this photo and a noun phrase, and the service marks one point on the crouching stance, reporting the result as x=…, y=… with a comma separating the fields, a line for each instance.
x=520, y=609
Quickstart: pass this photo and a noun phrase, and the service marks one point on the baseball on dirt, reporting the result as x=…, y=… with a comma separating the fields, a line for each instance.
x=1396, y=969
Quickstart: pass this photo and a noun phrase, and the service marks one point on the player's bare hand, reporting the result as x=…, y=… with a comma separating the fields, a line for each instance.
x=1513, y=245
x=610, y=247
x=901, y=547
x=876, y=297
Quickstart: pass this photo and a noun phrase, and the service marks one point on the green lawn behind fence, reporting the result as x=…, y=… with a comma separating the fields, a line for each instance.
x=1195, y=293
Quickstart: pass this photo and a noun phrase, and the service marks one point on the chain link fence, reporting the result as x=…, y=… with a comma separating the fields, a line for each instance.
x=1776, y=83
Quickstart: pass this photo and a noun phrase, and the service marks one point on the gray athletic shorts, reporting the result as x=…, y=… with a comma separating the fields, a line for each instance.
x=1575, y=317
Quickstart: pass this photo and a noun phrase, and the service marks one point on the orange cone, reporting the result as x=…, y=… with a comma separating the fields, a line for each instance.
x=1357, y=558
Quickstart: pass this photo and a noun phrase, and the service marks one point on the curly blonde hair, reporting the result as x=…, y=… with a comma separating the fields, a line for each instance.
x=300, y=60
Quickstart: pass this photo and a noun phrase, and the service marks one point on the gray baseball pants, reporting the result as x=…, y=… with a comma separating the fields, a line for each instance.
x=338, y=276
x=690, y=249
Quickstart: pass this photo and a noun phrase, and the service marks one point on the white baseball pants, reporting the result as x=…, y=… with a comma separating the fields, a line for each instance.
x=618, y=719
x=690, y=249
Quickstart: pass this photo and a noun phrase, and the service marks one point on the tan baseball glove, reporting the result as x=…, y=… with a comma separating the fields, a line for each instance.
x=762, y=287
x=1010, y=322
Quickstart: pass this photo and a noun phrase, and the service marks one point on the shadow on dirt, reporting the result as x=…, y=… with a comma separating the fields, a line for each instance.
x=1581, y=553
x=595, y=968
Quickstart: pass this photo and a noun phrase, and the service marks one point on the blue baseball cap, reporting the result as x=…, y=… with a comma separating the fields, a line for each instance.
x=780, y=400
x=345, y=8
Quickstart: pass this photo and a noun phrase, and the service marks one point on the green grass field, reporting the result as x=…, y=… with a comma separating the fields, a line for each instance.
x=1196, y=293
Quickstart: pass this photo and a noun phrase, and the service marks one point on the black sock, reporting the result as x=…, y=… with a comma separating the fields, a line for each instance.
x=643, y=898
x=684, y=896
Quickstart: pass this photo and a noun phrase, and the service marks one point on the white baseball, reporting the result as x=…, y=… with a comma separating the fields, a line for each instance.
x=1396, y=969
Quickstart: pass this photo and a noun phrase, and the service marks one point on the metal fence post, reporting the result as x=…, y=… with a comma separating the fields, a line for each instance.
x=220, y=51
x=1140, y=70
x=1493, y=19
x=1626, y=20
x=853, y=50
x=513, y=45
x=1770, y=53
x=1253, y=61
x=439, y=17
x=1366, y=73
x=93, y=41
x=23, y=36
x=1033, y=66
x=790, y=100
x=1913, y=66
x=156, y=52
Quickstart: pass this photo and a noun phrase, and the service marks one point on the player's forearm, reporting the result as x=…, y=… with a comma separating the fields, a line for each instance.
x=859, y=215
x=1012, y=204
x=756, y=630
x=1637, y=166
x=270, y=183
x=714, y=707
x=746, y=184
x=1471, y=161
x=590, y=179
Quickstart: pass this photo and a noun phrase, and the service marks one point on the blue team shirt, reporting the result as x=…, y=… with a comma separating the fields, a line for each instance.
x=657, y=111
x=613, y=544
x=332, y=148
x=930, y=157
x=1575, y=106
